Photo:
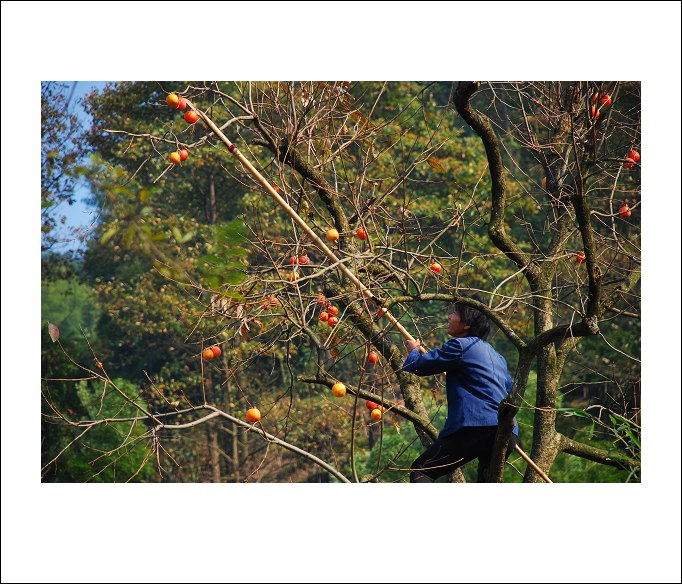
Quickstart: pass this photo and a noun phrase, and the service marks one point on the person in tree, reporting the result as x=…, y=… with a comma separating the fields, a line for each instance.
x=477, y=381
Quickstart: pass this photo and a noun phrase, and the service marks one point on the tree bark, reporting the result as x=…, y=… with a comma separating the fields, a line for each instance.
x=212, y=435
x=231, y=430
x=508, y=409
x=214, y=450
x=599, y=455
x=211, y=204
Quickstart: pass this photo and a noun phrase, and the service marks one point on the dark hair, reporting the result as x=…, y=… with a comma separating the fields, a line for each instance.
x=480, y=324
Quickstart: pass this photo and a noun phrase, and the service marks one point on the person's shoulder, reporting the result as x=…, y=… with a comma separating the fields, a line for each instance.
x=466, y=342
x=461, y=344
x=493, y=351
x=476, y=347
x=452, y=346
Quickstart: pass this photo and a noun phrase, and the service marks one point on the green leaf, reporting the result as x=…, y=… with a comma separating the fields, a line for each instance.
x=574, y=412
x=119, y=190
x=239, y=252
x=176, y=233
x=633, y=438
x=233, y=295
x=234, y=277
x=185, y=238
x=128, y=235
x=108, y=235
x=213, y=282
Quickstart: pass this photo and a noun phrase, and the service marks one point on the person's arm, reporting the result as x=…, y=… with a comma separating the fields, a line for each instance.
x=436, y=361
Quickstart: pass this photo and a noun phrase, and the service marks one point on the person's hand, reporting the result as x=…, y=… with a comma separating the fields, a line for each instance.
x=412, y=345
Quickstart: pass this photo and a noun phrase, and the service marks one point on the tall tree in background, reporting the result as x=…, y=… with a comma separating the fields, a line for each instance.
x=61, y=151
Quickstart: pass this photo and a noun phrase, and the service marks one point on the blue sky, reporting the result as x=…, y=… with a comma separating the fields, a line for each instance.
x=79, y=214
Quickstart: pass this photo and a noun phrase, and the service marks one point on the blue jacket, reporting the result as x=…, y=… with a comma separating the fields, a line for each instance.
x=477, y=381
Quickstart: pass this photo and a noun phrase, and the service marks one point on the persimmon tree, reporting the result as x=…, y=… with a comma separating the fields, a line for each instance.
x=500, y=184
x=583, y=136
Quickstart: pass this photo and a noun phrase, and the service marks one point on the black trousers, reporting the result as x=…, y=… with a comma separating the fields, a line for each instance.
x=447, y=454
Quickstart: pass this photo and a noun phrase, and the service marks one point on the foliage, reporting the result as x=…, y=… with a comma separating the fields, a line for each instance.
x=60, y=154
x=70, y=304
x=107, y=453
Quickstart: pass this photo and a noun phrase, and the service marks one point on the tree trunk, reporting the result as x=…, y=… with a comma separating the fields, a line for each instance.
x=212, y=428
x=508, y=409
x=230, y=434
x=211, y=207
x=545, y=438
x=214, y=450
x=235, y=453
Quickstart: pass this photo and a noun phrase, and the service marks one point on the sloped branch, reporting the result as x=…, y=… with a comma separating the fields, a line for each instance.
x=496, y=229
x=607, y=457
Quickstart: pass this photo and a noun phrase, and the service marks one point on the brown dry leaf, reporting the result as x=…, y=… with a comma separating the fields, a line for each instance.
x=53, y=330
x=435, y=164
x=220, y=304
x=358, y=116
x=335, y=353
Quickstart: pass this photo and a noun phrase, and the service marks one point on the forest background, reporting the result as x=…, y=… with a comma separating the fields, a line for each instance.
x=267, y=503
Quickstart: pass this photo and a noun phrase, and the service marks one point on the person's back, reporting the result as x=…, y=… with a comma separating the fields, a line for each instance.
x=477, y=381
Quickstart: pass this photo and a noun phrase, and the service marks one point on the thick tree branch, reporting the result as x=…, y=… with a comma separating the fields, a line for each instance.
x=583, y=328
x=607, y=457
x=508, y=331
x=583, y=214
x=288, y=154
x=496, y=230
x=507, y=410
x=579, y=329
x=615, y=294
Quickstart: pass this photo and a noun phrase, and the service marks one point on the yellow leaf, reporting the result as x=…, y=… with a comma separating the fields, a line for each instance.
x=108, y=235
x=435, y=164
